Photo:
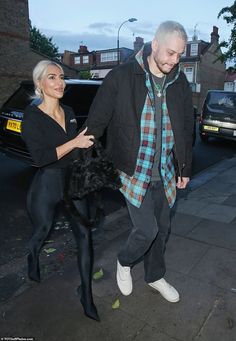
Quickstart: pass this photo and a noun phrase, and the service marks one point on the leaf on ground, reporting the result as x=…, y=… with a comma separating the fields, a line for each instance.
x=116, y=304
x=49, y=250
x=19, y=238
x=99, y=274
x=49, y=241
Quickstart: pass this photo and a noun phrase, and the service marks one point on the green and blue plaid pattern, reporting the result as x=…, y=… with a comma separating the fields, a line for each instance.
x=134, y=187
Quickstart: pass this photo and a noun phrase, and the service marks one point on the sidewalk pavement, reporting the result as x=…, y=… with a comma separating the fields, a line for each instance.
x=201, y=264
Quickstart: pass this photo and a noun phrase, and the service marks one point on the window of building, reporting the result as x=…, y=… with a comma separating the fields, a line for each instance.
x=77, y=60
x=109, y=56
x=229, y=86
x=193, y=49
x=189, y=73
x=85, y=59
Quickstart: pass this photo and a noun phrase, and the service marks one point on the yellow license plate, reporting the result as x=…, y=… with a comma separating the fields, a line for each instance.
x=14, y=125
x=211, y=128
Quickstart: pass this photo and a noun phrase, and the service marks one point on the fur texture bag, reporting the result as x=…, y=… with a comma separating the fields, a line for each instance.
x=91, y=171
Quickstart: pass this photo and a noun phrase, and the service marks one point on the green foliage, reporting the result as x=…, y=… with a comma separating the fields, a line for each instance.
x=85, y=74
x=39, y=42
x=229, y=15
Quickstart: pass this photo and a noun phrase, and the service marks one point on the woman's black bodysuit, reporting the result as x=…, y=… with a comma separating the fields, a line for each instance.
x=42, y=135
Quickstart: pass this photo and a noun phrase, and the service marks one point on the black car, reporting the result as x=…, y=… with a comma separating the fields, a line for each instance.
x=218, y=116
x=79, y=95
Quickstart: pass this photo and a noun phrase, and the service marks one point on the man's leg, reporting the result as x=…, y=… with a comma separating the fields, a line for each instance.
x=143, y=233
x=154, y=262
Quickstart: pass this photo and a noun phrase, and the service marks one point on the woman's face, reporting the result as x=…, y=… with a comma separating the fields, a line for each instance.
x=53, y=83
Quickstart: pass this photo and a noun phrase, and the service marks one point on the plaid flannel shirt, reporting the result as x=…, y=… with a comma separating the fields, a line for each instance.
x=134, y=187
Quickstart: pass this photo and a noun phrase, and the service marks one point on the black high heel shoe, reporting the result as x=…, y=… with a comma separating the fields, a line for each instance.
x=33, y=268
x=90, y=309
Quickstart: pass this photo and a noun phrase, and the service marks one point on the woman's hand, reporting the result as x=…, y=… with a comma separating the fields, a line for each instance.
x=82, y=140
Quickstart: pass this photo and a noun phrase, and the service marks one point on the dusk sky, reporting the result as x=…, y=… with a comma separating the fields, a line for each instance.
x=95, y=23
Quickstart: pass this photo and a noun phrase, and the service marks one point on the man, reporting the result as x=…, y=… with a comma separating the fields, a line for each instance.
x=146, y=104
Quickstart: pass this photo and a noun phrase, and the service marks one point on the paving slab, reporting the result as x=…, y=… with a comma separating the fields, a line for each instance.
x=182, y=255
x=178, y=320
x=219, y=186
x=215, y=233
x=151, y=334
x=204, y=209
x=230, y=200
x=217, y=267
x=182, y=223
x=221, y=321
x=203, y=194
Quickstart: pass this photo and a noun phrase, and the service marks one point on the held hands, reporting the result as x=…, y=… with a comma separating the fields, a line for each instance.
x=182, y=182
x=83, y=141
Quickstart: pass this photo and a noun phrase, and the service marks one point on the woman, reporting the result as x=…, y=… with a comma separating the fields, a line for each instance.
x=50, y=133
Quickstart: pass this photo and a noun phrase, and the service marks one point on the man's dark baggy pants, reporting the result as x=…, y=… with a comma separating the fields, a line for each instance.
x=148, y=237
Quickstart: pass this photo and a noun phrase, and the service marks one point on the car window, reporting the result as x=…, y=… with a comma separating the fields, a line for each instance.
x=79, y=97
x=21, y=98
x=222, y=101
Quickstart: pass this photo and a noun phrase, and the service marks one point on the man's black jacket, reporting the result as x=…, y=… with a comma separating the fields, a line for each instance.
x=118, y=105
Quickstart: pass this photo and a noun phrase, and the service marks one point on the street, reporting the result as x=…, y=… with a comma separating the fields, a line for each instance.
x=207, y=154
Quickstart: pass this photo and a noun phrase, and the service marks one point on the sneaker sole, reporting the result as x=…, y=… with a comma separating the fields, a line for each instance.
x=171, y=301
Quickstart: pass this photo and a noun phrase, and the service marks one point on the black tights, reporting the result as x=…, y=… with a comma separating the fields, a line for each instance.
x=45, y=193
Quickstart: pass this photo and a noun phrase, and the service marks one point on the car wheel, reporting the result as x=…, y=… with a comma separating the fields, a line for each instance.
x=204, y=138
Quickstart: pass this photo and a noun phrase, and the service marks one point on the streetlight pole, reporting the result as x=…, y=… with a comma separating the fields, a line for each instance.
x=118, y=35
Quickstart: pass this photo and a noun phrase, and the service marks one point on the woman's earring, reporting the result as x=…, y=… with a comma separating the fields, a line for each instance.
x=38, y=92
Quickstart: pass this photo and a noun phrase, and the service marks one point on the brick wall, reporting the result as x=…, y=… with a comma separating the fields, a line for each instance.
x=212, y=73
x=17, y=60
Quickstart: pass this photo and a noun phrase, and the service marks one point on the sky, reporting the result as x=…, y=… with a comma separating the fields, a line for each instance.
x=95, y=23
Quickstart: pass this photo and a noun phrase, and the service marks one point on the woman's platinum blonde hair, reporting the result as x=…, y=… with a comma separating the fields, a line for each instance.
x=39, y=72
x=168, y=28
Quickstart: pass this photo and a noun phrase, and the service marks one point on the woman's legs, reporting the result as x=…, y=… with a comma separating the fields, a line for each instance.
x=44, y=194
x=83, y=240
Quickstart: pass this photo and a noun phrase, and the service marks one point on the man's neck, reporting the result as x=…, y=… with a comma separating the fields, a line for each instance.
x=153, y=67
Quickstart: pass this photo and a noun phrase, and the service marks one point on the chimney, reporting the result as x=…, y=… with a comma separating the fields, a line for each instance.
x=66, y=58
x=215, y=36
x=83, y=49
x=138, y=43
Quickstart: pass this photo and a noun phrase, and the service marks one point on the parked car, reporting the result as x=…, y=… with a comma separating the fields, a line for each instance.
x=79, y=95
x=218, y=116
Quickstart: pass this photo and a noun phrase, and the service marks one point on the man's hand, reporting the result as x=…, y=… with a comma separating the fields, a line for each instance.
x=182, y=182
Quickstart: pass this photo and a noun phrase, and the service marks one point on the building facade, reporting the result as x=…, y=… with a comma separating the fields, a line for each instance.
x=99, y=62
x=17, y=59
x=202, y=66
x=230, y=80
x=200, y=63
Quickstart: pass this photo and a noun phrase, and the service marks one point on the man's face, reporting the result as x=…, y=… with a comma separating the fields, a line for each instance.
x=166, y=53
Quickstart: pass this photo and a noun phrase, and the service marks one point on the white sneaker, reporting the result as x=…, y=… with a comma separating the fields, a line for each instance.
x=124, y=279
x=166, y=290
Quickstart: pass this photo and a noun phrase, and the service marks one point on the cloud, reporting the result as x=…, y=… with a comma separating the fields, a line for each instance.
x=102, y=27
x=94, y=41
x=103, y=35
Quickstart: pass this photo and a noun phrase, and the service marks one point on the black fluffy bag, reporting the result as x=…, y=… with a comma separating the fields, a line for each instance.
x=90, y=172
